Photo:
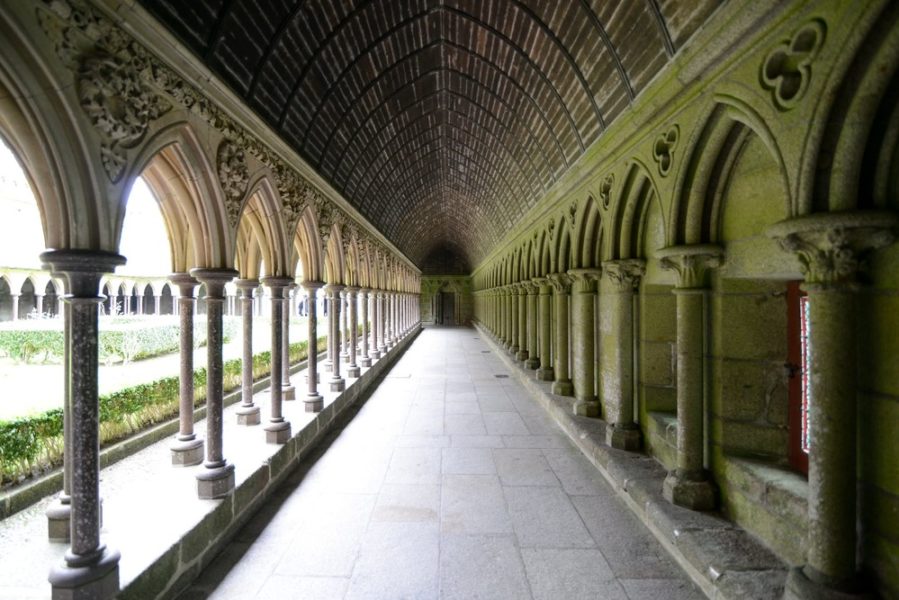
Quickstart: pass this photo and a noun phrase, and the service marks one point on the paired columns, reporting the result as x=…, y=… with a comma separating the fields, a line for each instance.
x=187, y=450
x=830, y=248
x=278, y=429
x=90, y=568
x=336, y=383
x=217, y=479
x=690, y=485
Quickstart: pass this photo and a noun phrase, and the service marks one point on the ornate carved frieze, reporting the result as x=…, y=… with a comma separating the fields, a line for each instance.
x=234, y=175
x=663, y=150
x=787, y=68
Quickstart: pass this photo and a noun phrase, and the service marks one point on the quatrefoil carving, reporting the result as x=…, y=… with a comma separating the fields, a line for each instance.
x=605, y=189
x=787, y=68
x=663, y=150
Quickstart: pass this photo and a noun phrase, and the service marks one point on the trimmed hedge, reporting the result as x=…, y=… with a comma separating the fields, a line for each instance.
x=31, y=445
x=118, y=341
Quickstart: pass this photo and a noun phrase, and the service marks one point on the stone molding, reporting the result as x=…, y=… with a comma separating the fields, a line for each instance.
x=691, y=262
x=831, y=247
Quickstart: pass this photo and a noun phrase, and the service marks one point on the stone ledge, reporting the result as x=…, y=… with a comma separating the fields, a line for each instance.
x=722, y=559
x=21, y=497
x=173, y=571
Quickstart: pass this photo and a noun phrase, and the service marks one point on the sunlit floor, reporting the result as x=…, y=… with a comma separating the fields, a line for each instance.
x=450, y=483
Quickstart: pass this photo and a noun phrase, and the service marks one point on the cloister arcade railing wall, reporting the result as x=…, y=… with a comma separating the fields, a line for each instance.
x=742, y=168
x=87, y=107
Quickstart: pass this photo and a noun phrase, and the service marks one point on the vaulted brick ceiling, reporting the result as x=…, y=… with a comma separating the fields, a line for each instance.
x=441, y=121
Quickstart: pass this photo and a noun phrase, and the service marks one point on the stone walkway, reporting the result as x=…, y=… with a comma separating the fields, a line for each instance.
x=451, y=482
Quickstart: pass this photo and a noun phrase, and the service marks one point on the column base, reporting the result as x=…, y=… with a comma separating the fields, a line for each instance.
x=248, y=415
x=187, y=453
x=521, y=355
x=626, y=437
x=277, y=433
x=59, y=516
x=288, y=392
x=545, y=374
x=513, y=349
x=97, y=581
x=215, y=483
x=587, y=408
x=314, y=404
x=532, y=364
x=344, y=357
x=382, y=350
x=353, y=371
x=365, y=362
x=318, y=378
x=327, y=367
x=337, y=384
x=375, y=355
x=800, y=587
x=563, y=387
x=694, y=494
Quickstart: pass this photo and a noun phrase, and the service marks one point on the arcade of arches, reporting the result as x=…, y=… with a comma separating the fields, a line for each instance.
x=674, y=219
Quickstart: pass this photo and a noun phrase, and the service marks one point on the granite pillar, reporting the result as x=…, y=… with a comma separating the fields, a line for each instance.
x=288, y=392
x=546, y=371
x=353, y=369
x=583, y=327
x=90, y=568
x=247, y=413
x=278, y=429
x=313, y=401
x=365, y=361
x=533, y=359
x=562, y=385
x=217, y=478
x=187, y=449
x=336, y=383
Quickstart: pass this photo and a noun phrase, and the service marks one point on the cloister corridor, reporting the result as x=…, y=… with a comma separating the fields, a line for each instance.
x=449, y=483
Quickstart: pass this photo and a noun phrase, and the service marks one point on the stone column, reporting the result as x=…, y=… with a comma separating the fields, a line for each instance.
x=353, y=369
x=617, y=363
x=187, y=449
x=140, y=304
x=313, y=401
x=15, y=307
x=514, y=327
x=831, y=248
x=561, y=283
x=157, y=299
x=546, y=371
x=522, y=289
x=59, y=513
x=288, y=392
x=344, y=332
x=583, y=327
x=365, y=361
x=533, y=360
x=505, y=317
x=382, y=316
x=375, y=319
x=328, y=365
x=336, y=383
x=690, y=484
x=278, y=429
x=39, y=303
x=390, y=300
x=248, y=412
x=90, y=568
x=217, y=479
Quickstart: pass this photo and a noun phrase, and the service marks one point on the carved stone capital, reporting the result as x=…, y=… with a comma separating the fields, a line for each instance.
x=624, y=273
x=561, y=282
x=584, y=280
x=234, y=175
x=543, y=285
x=832, y=246
x=692, y=263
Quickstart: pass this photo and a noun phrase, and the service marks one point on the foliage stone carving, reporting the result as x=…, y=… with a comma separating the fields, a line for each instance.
x=234, y=175
x=787, y=69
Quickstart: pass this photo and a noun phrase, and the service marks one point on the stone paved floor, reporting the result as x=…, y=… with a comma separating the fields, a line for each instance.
x=449, y=483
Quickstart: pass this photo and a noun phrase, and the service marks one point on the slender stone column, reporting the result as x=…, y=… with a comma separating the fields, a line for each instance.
x=382, y=316
x=375, y=320
x=561, y=283
x=157, y=304
x=90, y=568
x=39, y=303
x=533, y=360
x=583, y=326
x=15, y=307
x=365, y=361
x=390, y=300
x=505, y=303
x=313, y=401
x=140, y=304
x=544, y=287
x=617, y=363
x=278, y=429
x=514, y=327
x=187, y=449
x=522, y=290
x=217, y=479
x=353, y=369
x=248, y=412
x=59, y=513
x=690, y=485
x=344, y=328
x=831, y=248
x=336, y=383
x=288, y=392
